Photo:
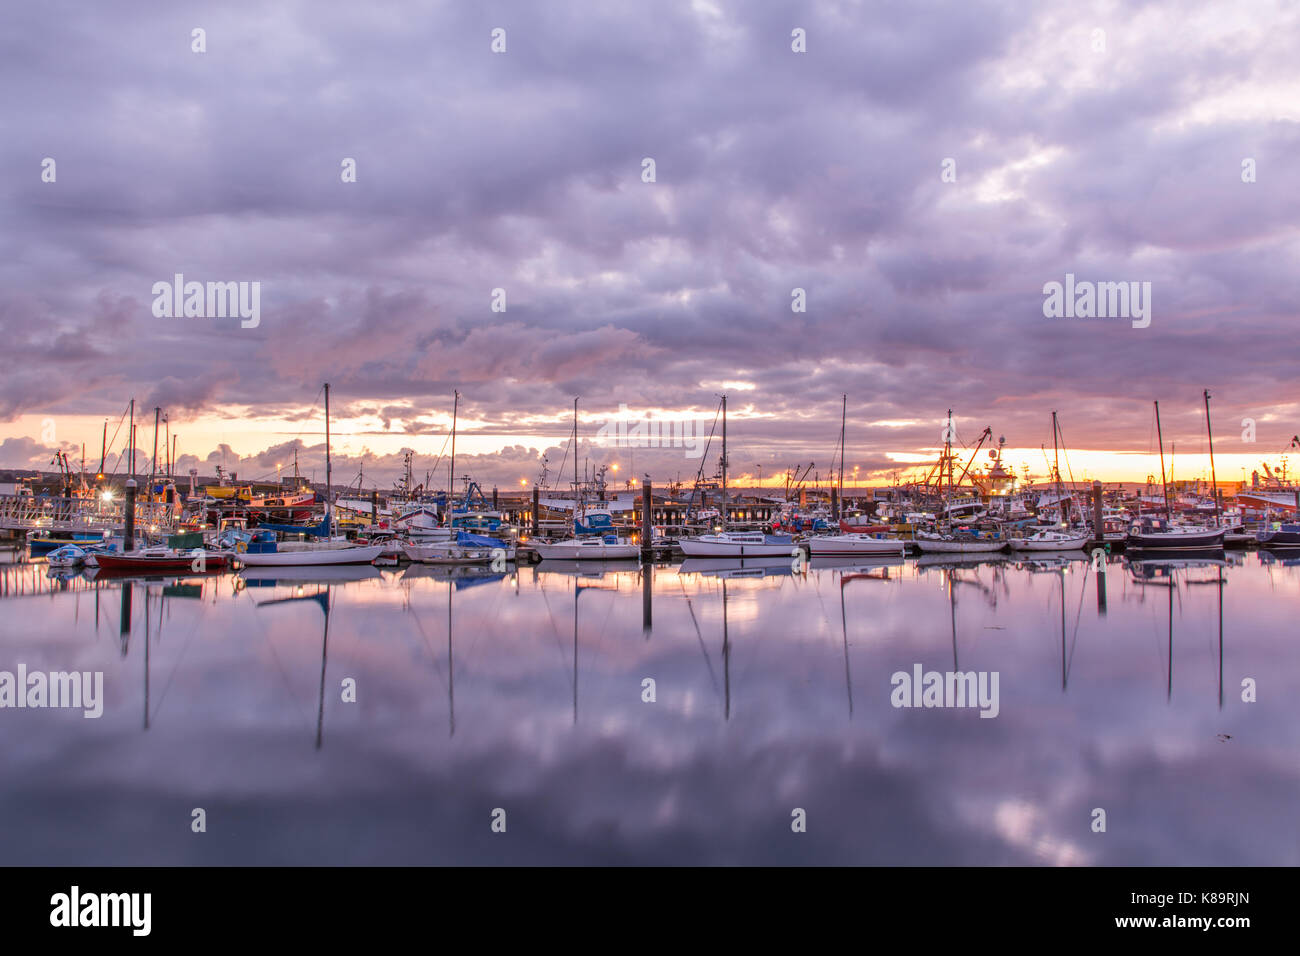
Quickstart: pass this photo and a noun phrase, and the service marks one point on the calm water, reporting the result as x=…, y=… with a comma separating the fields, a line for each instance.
x=523, y=691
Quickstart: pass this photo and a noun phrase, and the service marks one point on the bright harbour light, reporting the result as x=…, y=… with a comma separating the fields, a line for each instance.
x=107, y=496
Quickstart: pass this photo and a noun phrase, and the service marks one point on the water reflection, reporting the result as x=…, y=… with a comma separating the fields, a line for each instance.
x=523, y=689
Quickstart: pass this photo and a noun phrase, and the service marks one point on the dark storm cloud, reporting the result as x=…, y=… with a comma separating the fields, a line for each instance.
x=775, y=170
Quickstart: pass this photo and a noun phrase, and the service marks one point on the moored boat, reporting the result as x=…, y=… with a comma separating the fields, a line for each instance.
x=608, y=547
x=1286, y=535
x=465, y=549
x=726, y=544
x=163, y=561
x=1159, y=534
x=856, y=543
x=960, y=541
x=1050, y=540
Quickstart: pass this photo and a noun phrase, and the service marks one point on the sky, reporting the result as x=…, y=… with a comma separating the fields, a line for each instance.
x=920, y=171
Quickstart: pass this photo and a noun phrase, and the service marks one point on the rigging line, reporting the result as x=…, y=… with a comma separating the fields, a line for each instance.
x=1068, y=469
x=419, y=626
x=713, y=678
x=559, y=641
x=1069, y=664
x=185, y=647
x=280, y=666
x=699, y=475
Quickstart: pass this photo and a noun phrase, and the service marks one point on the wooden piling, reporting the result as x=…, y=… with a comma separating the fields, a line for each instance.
x=647, y=529
x=128, y=536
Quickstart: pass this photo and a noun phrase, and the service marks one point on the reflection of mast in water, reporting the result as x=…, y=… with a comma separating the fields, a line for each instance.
x=451, y=666
x=576, y=591
x=844, y=622
x=146, y=657
x=1061, y=577
x=726, y=656
x=952, y=613
x=1169, y=691
x=324, y=648
x=1220, y=589
x=321, y=598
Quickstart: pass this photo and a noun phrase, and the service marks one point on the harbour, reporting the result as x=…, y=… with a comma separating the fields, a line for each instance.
x=526, y=689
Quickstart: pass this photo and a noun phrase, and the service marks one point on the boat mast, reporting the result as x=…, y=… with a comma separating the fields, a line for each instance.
x=1164, y=486
x=724, y=462
x=1056, y=465
x=153, y=465
x=844, y=411
x=576, y=486
x=947, y=453
x=451, y=466
x=1214, y=484
x=329, y=515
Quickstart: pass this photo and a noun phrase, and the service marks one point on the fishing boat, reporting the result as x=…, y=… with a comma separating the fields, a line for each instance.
x=856, y=543
x=1050, y=540
x=163, y=561
x=420, y=522
x=466, y=548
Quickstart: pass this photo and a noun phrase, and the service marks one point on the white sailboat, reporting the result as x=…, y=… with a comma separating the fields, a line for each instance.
x=735, y=544
x=856, y=543
x=264, y=551
x=853, y=542
x=600, y=542
x=1050, y=540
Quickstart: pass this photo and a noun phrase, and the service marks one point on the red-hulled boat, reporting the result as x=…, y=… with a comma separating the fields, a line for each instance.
x=861, y=526
x=163, y=561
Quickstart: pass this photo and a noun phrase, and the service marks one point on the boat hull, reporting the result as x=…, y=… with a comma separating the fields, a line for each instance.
x=282, y=559
x=940, y=545
x=702, y=547
x=1074, y=543
x=853, y=543
x=1288, y=536
x=1164, y=541
x=577, y=550
x=452, y=552
x=181, y=564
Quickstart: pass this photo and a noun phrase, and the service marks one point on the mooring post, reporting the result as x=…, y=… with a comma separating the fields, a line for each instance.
x=647, y=529
x=1098, y=529
x=128, y=536
x=374, y=508
x=124, y=618
x=835, y=504
x=537, y=511
x=647, y=588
